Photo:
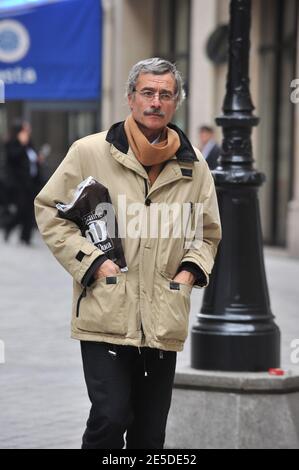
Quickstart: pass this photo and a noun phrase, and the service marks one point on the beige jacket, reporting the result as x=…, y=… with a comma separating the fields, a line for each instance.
x=140, y=307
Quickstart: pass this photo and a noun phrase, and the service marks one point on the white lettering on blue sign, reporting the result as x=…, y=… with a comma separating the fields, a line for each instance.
x=14, y=41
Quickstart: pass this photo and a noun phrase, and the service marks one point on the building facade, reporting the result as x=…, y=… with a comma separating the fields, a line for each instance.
x=193, y=34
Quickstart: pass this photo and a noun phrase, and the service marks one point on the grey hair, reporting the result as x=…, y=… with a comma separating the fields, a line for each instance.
x=156, y=66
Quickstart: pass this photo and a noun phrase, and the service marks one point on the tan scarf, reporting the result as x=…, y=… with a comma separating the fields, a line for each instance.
x=151, y=156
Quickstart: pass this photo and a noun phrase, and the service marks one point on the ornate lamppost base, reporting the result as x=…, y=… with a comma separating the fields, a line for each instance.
x=243, y=353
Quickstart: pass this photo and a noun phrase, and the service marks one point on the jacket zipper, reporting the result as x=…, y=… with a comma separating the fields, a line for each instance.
x=189, y=221
x=141, y=326
x=83, y=294
x=146, y=188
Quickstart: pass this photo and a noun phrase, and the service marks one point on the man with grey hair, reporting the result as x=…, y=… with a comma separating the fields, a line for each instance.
x=132, y=324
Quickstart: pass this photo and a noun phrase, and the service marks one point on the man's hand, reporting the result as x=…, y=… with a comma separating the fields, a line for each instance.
x=108, y=268
x=185, y=277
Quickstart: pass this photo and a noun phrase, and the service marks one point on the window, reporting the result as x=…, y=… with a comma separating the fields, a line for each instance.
x=172, y=43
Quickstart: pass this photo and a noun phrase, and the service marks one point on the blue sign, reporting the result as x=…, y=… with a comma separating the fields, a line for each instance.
x=16, y=3
x=50, y=50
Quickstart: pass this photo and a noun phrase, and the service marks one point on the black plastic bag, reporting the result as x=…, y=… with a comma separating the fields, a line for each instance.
x=91, y=209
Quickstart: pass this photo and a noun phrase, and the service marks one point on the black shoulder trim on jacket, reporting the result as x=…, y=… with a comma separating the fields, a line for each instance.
x=79, y=256
x=186, y=172
x=117, y=136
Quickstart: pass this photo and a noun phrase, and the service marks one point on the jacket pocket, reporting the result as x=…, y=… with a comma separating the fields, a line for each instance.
x=173, y=306
x=103, y=308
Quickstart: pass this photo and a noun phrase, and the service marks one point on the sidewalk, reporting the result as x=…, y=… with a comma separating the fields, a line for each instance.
x=43, y=402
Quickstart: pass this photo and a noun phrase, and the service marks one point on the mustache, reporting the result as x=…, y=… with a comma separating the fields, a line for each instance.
x=155, y=111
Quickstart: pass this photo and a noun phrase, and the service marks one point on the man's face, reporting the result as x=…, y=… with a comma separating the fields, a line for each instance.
x=155, y=114
x=204, y=137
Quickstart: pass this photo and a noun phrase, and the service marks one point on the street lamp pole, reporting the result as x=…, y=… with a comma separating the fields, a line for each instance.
x=235, y=329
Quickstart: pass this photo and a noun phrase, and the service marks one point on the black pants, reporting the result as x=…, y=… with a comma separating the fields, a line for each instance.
x=130, y=390
x=24, y=215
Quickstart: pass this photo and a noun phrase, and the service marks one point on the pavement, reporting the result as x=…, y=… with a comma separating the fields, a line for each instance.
x=43, y=400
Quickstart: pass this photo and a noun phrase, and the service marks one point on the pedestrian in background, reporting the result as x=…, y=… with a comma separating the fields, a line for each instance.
x=131, y=324
x=23, y=180
x=208, y=146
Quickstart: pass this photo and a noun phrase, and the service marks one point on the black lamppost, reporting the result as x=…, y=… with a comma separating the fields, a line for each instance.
x=235, y=330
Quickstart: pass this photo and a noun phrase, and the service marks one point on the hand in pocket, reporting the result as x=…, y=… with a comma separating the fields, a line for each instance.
x=108, y=268
x=185, y=277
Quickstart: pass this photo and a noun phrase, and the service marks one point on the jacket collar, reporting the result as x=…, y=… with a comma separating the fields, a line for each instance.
x=117, y=137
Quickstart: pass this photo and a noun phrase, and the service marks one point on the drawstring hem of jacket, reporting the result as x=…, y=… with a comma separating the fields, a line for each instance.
x=144, y=361
x=113, y=351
